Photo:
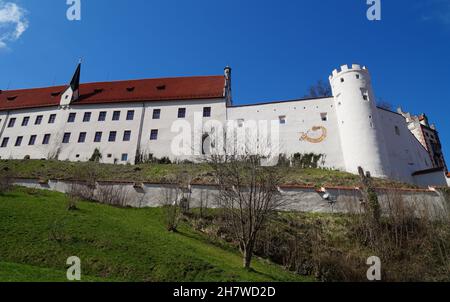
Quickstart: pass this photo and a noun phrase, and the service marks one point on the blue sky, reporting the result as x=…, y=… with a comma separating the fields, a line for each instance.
x=276, y=48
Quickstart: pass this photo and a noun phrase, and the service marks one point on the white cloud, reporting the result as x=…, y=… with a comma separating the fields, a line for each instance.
x=13, y=22
x=437, y=11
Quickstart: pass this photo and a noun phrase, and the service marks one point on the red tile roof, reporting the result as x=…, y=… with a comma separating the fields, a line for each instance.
x=183, y=88
x=448, y=175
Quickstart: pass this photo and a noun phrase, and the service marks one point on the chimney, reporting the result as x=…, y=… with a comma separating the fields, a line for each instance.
x=228, y=91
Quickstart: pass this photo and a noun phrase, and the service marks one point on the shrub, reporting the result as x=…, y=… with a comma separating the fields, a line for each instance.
x=96, y=156
x=6, y=180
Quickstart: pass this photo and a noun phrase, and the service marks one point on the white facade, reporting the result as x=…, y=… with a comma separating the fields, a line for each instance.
x=348, y=129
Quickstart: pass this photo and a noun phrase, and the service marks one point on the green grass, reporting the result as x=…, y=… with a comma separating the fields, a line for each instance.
x=158, y=173
x=38, y=234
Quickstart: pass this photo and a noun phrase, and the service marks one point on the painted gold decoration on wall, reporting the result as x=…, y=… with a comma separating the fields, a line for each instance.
x=316, y=135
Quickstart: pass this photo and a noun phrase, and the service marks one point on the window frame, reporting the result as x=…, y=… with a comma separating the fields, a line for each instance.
x=182, y=113
x=25, y=121
x=72, y=117
x=112, y=136
x=154, y=133
x=66, y=138
x=82, y=137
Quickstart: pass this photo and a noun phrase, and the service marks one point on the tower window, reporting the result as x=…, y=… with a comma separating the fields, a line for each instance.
x=397, y=130
x=282, y=119
x=324, y=117
x=342, y=80
x=357, y=76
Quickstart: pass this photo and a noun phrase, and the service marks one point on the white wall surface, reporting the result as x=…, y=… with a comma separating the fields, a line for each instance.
x=301, y=116
x=111, y=151
x=406, y=153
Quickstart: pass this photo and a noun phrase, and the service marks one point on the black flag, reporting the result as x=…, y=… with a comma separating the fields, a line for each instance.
x=75, y=83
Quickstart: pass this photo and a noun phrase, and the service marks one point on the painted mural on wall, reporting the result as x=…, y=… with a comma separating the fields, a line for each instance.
x=316, y=135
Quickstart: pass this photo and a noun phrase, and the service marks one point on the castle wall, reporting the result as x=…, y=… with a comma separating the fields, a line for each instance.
x=111, y=152
x=406, y=153
x=297, y=134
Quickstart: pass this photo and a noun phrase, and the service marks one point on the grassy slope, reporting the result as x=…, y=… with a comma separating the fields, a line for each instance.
x=113, y=244
x=157, y=173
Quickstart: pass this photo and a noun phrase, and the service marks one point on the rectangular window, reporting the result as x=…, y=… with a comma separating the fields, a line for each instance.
x=87, y=117
x=38, y=120
x=98, y=137
x=181, y=112
x=112, y=136
x=5, y=142
x=19, y=141
x=207, y=112
x=11, y=123
x=116, y=116
x=130, y=115
x=72, y=117
x=32, y=140
x=66, y=138
x=127, y=136
x=282, y=120
x=124, y=157
x=52, y=119
x=25, y=121
x=82, y=137
x=324, y=117
x=102, y=116
x=46, y=139
x=154, y=135
x=156, y=114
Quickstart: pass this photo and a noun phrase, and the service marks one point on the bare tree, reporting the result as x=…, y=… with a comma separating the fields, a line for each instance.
x=385, y=104
x=320, y=89
x=248, y=196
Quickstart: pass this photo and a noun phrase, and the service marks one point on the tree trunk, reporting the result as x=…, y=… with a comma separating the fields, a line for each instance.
x=248, y=254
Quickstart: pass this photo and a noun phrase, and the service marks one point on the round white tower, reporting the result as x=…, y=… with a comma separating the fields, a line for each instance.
x=362, y=140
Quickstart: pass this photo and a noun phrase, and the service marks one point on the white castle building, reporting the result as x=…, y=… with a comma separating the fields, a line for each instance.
x=125, y=119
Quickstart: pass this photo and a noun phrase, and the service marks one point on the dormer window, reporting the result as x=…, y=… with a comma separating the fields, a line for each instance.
x=130, y=89
x=12, y=98
x=161, y=87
